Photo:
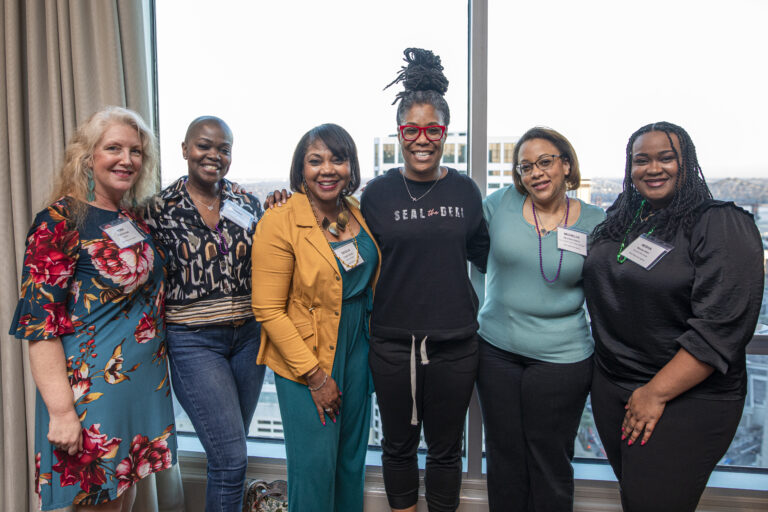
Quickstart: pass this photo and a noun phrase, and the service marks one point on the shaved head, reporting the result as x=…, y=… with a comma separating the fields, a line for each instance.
x=207, y=120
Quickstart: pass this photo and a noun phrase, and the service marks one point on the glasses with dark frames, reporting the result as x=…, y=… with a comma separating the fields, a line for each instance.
x=544, y=162
x=433, y=132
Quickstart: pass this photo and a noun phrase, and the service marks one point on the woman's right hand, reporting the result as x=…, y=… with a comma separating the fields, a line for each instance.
x=276, y=198
x=65, y=432
x=327, y=398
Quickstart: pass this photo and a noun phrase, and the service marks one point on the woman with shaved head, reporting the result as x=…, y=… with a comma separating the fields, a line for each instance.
x=206, y=227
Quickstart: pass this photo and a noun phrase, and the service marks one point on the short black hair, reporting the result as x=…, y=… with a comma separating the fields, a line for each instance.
x=424, y=84
x=198, y=121
x=340, y=144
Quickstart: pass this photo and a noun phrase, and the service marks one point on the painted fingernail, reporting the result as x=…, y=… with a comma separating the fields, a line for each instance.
x=642, y=442
x=334, y=420
x=630, y=443
x=323, y=422
x=623, y=436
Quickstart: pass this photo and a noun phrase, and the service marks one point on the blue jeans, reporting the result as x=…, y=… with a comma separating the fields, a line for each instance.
x=217, y=381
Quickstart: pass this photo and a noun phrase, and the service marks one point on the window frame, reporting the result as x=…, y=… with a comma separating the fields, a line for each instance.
x=594, y=474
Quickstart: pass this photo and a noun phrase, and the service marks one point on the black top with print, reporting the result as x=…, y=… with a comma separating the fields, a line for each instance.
x=209, y=273
x=424, y=288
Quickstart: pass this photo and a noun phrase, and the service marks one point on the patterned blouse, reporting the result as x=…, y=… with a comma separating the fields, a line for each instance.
x=209, y=270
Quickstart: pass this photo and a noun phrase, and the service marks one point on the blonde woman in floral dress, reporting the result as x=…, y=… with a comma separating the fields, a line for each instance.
x=91, y=306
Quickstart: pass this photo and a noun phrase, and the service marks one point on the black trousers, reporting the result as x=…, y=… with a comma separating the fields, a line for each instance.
x=531, y=412
x=443, y=390
x=668, y=473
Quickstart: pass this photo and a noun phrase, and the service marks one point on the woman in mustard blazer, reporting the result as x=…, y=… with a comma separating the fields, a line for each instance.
x=314, y=267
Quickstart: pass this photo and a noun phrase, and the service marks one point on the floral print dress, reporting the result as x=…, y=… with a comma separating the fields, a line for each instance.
x=106, y=305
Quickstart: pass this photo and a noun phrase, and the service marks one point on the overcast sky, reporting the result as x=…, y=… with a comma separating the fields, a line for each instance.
x=594, y=70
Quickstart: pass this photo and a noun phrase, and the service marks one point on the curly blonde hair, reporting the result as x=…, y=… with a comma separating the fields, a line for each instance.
x=72, y=178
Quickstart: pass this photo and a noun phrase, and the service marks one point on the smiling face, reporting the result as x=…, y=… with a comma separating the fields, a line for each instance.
x=325, y=174
x=422, y=156
x=208, y=152
x=543, y=186
x=116, y=162
x=655, y=167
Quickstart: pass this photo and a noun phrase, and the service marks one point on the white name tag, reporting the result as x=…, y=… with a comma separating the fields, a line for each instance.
x=646, y=251
x=123, y=233
x=237, y=214
x=348, y=255
x=572, y=240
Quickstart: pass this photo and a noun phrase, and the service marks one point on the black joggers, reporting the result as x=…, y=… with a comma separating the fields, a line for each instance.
x=443, y=388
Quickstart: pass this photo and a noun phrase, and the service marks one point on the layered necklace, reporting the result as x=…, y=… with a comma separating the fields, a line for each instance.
x=539, y=232
x=334, y=228
x=220, y=239
x=414, y=199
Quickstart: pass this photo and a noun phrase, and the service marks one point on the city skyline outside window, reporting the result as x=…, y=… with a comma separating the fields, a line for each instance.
x=594, y=81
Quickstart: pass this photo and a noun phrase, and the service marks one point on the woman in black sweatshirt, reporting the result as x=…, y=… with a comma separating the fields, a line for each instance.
x=428, y=222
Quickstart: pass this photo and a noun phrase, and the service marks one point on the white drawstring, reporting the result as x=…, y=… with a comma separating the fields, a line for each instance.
x=424, y=361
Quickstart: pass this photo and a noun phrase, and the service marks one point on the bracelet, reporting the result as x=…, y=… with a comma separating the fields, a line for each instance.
x=311, y=389
x=312, y=372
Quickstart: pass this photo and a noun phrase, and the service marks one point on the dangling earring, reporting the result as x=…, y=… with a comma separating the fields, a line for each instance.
x=91, y=195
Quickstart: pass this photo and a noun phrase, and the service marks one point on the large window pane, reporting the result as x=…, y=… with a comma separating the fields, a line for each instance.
x=272, y=71
x=607, y=68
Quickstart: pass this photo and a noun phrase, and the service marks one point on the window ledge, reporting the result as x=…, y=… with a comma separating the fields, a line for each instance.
x=596, y=489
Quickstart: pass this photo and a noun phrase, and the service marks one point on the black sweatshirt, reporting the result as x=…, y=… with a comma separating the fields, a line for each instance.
x=424, y=288
x=704, y=296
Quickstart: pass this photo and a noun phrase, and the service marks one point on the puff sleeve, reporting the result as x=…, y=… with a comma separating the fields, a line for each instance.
x=727, y=255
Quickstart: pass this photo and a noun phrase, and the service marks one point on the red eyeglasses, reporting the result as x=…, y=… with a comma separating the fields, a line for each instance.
x=433, y=132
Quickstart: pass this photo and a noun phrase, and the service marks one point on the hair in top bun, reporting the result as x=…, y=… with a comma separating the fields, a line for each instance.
x=423, y=81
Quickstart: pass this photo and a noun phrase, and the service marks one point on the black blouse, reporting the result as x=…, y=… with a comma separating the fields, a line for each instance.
x=704, y=296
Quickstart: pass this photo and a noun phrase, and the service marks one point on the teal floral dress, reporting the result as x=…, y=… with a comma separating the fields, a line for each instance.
x=106, y=303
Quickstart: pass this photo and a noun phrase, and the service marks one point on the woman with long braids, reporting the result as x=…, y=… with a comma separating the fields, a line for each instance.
x=428, y=221
x=674, y=283
x=535, y=349
x=314, y=267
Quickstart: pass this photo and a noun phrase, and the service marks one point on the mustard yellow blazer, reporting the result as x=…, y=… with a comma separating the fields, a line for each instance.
x=297, y=289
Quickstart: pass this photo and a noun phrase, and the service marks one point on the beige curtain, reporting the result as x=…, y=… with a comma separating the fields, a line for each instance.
x=60, y=60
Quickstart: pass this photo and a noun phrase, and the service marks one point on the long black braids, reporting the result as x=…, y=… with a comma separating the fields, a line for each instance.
x=690, y=190
x=424, y=83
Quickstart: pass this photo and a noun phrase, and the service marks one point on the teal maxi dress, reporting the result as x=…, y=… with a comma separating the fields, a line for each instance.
x=326, y=463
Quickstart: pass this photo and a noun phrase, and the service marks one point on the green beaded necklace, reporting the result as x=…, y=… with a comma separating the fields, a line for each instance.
x=619, y=257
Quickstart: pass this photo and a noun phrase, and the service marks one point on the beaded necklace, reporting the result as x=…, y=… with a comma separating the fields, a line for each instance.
x=538, y=233
x=619, y=257
x=324, y=226
x=223, y=246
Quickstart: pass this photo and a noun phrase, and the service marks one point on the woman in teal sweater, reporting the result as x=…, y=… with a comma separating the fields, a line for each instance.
x=536, y=349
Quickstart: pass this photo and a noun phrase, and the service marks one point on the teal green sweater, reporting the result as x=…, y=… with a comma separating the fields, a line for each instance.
x=522, y=313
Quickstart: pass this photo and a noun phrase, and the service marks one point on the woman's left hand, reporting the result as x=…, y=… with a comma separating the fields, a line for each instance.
x=644, y=409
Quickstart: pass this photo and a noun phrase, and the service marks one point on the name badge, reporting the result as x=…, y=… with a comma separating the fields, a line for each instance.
x=237, y=214
x=123, y=233
x=646, y=251
x=348, y=255
x=573, y=240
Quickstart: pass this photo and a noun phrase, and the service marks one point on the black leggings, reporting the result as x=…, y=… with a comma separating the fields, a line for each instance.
x=531, y=413
x=443, y=390
x=668, y=473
